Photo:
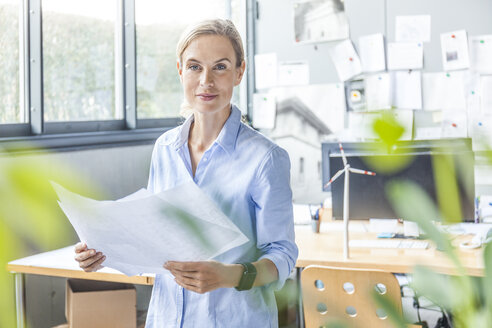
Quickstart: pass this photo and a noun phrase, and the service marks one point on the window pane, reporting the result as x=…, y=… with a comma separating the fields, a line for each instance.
x=79, y=60
x=159, y=25
x=10, y=106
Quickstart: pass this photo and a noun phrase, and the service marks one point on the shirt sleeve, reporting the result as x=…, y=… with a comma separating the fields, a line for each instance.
x=151, y=184
x=272, y=196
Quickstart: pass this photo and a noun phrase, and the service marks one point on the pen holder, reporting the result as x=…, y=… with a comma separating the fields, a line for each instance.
x=315, y=226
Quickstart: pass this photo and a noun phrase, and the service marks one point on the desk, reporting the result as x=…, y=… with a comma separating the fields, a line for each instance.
x=61, y=263
x=324, y=248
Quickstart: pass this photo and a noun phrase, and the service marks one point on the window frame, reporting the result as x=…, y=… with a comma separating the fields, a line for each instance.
x=77, y=134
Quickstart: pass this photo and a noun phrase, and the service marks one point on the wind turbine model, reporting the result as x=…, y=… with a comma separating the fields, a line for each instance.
x=347, y=169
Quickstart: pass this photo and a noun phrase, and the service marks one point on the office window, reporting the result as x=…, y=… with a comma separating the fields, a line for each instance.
x=79, y=60
x=11, y=110
x=158, y=28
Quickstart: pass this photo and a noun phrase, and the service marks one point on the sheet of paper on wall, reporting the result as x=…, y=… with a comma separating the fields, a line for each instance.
x=355, y=92
x=480, y=127
x=371, y=50
x=140, y=235
x=361, y=125
x=293, y=73
x=405, y=118
x=454, y=50
x=486, y=94
x=443, y=91
x=481, y=53
x=425, y=125
x=407, y=89
x=264, y=110
x=326, y=102
x=454, y=124
x=413, y=28
x=266, y=70
x=378, y=91
x=471, y=80
x=408, y=55
x=345, y=59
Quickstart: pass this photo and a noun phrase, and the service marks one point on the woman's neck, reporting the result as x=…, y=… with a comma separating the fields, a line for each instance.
x=206, y=128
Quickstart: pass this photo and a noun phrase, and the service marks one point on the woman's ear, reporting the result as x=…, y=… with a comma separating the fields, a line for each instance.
x=180, y=71
x=240, y=73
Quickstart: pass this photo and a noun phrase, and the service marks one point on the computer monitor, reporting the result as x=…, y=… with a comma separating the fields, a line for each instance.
x=367, y=193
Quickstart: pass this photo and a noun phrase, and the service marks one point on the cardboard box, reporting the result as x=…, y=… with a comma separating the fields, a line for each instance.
x=94, y=304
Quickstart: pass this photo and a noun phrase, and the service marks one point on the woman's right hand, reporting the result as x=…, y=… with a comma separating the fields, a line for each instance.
x=89, y=260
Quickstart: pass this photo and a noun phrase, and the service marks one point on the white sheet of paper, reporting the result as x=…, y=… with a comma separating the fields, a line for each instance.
x=409, y=55
x=471, y=80
x=443, y=91
x=486, y=94
x=266, y=70
x=407, y=90
x=140, y=235
x=264, y=110
x=405, y=118
x=481, y=53
x=427, y=133
x=361, y=125
x=454, y=50
x=378, y=91
x=480, y=127
x=371, y=50
x=454, y=124
x=413, y=28
x=346, y=60
x=293, y=73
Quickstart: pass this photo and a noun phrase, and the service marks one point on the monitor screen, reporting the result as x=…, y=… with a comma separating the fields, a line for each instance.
x=367, y=193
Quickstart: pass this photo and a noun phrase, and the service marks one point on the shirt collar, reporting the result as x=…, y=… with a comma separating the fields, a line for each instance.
x=227, y=136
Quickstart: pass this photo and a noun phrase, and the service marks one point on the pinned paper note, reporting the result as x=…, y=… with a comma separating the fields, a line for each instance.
x=356, y=95
x=371, y=49
x=413, y=28
x=443, y=91
x=361, y=125
x=480, y=127
x=407, y=89
x=454, y=48
x=266, y=70
x=481, y=53
x=425, y=127
x=405, y=118
x=293, y=73
x=486, y=94
x=346, y=60
x=264, y=110
x=378, y=91
x=405, y=55
x=454, y=124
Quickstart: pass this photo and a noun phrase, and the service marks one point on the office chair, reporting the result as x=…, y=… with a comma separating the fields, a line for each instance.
x=334, y=294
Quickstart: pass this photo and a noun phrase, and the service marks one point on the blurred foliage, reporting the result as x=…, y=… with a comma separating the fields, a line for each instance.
x=457, y=293
x=30, y=219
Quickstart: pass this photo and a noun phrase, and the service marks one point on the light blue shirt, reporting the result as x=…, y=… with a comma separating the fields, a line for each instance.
x=248, y=177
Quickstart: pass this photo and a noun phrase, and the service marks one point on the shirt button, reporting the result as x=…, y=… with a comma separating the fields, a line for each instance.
x=205, y=159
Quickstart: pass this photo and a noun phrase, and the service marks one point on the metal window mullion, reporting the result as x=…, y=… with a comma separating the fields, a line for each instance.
x=129, y=63
x=34, y=67
x=250, y=48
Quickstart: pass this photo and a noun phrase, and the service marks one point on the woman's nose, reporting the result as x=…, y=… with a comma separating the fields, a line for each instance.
x=206, y=78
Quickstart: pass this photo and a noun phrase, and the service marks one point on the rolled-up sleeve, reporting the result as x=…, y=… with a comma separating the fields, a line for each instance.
x=272, y=196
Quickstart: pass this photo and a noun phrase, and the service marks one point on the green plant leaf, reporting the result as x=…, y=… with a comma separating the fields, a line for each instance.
x=436, y=287
x=487, y=279
x=393, y=312
x=447, y=190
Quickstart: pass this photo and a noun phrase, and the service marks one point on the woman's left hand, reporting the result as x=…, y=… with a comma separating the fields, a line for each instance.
x=205, y=276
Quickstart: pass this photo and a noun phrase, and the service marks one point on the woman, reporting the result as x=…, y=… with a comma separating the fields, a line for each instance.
x=246, y=175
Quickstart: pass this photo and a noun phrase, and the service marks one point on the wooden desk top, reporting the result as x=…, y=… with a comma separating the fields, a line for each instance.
x=326, y=248
x=61, y=263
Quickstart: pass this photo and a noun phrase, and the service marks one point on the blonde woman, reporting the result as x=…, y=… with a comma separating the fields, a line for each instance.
x=246, y=174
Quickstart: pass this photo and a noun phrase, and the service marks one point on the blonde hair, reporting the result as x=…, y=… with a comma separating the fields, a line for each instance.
x=221, y=27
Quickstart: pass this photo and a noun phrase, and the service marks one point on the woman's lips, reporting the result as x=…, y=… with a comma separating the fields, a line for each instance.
x=206, y=96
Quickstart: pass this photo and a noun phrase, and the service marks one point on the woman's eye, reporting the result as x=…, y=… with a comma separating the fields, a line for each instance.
x=194, y=67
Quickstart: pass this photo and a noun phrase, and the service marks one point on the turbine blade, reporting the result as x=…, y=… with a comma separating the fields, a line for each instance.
x=344, y=159
x=361, y=171
x=339, y=173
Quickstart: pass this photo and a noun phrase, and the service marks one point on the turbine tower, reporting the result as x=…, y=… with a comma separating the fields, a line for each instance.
x=346, y=169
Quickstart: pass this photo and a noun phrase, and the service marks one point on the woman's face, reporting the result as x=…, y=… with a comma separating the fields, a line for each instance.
x=209, y=73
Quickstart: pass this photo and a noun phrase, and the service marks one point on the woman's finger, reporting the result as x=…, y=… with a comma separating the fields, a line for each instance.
x=96, y=265
x=88, y=262
x=80, y=247
x=85, y=255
